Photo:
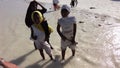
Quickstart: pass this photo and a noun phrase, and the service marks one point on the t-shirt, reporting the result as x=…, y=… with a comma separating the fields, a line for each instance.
x=40, y=34
x=67, y=25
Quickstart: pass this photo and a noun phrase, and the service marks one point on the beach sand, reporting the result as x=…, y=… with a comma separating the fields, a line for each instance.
x=98, y=37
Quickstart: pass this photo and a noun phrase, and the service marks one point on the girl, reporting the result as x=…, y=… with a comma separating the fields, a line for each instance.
x=40, y=37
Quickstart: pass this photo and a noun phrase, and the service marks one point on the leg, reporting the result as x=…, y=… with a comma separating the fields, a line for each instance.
x=49, y=44
x=63, y=54
x=35, y=46
x=73, y=52
x=76, y=2
x=42, y=54
x=48, y=49
x=72, y=4
x=72, y=47
x=49, y=54
x=63, y=48
x=51, y=57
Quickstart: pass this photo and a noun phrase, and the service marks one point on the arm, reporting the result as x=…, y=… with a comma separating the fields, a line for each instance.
x=59, y=32
x=74, y=32
x=43, y=8
x=46, y=29
x=32, y=34
x=28, y=20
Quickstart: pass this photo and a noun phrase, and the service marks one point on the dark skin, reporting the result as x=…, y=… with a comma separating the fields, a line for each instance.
x=73, y=3
x=28, y=21
x=64, y=14
x=37, y=21
x=44, y=24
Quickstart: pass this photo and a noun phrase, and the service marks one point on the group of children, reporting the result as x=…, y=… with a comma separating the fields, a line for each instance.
x=41, y=30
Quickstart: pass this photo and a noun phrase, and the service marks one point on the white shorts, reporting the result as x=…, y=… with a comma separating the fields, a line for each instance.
x=66, y=43
x=43, y=45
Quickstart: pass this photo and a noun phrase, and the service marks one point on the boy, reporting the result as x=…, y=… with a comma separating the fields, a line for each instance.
x=39, y=36
x=55, y=4
x=68, y=32
x=73, y=3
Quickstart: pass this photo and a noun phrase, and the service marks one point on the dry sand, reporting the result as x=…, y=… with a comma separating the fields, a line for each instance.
x=97, y=35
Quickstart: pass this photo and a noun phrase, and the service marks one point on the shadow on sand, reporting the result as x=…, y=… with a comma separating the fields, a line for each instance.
x=38, y=65
x=21, y=59
x=51, y=64
x=57, y=63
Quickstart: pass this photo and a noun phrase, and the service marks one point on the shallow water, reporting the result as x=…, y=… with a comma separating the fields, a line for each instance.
x=98, y=38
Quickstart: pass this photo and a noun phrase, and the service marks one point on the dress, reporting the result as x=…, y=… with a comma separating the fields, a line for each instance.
x=67, y=30
x=39, y=42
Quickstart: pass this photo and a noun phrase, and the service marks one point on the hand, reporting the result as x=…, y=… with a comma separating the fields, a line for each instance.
x=64, y=38
x=47, y=38
x=73, y=41
x=51, y=47
x=34, y=37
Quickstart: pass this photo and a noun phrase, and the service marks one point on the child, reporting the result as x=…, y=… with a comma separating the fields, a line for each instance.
x=39, y=28
x=73, y=3
x=68, y=32
x=55, y=4
x=33, y=7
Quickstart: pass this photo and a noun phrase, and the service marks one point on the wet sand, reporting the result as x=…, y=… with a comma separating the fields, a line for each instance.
x=97, y=36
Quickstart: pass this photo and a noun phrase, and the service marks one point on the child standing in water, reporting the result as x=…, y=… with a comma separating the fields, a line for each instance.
x=68, y=32
x=73, y=3
x=28, y=21
x=55, y=4
x=40, y=38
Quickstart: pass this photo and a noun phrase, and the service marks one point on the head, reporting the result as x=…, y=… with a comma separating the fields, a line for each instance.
x=65, y=11
x=37, y=17
x=33, y=5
